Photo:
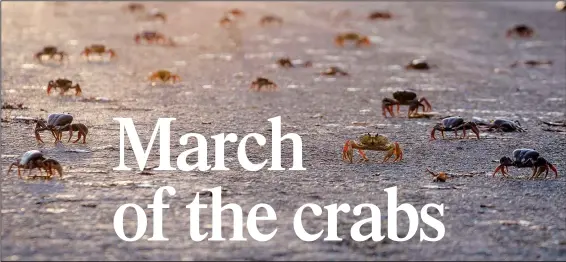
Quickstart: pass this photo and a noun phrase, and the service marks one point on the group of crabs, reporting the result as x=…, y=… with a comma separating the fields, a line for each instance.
x=59, y=122
x=522, y=157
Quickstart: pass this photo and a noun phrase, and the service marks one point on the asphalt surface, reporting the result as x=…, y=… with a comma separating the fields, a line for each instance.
x=486, y=218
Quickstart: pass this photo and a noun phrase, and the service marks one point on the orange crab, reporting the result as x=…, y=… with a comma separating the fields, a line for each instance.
x=360, y=40
x=164, y=76
x=98, y=50
x=374, y=143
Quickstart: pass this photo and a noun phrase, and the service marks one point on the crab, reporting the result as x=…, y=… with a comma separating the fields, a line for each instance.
x=375, y=143
x=521, y=30
x=225, y=21
x=235, y=12
x=380, y=15
x=334, y=70
x=134, y=7
x=525, y=157
x=164, y=76
x=360, y=40
x=454, y=123
x=35, y=159
x=286, y=62
x=262, y=82
x=407, y=98
x=55, y=123
x=152, y=37
x=418, y=64
x=532, y=63
x=63, y=85
x=501, y=124
x=98, y=50
x=440, y=177
x=271, y=19
x=52, y=52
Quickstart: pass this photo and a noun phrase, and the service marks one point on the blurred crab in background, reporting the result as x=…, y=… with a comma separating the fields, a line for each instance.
x=500, y=124
x=270, y=19
x=374, y=143
x=531, y=63
x=163, y=76
x=155, y=14
x=287, y=63
x=63, y=85
x=35, y=159
x=98, y=50
x=454, y=123
x=358, y=39
x=418, y=64
x=134, y=7
x=525, y=157
x=51, y=52
x=521, y=31
x=403, y=97
x=380, y=15
x=153, y=37
x=262, y=82
x=334, y=71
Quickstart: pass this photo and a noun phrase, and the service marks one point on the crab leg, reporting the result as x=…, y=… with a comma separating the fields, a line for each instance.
x=500, y=168
x=429, y=107
x=398, y=153
x=347, y=152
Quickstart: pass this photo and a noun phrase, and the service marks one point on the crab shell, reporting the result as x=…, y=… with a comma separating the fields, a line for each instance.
x=30, y=156
x=59, y=119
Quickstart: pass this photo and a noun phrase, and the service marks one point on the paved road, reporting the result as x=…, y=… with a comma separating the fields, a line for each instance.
x=71, y=218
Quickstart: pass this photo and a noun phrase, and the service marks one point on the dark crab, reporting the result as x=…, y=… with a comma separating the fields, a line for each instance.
x=380, y=15
x=52, y=53
x=152, y=37
x=333, y=71
x=532, y=63
x=454, y=123
x=500, y=124
x=262, y=82
x=55, y=123
x=99, y=50
x=35, y=159
x=63, y=85
x=271, y=19
x=134, y=7
x=418, y=64
x=286, y=62
x=407, y=98
x=525, y=157
x=521, y=30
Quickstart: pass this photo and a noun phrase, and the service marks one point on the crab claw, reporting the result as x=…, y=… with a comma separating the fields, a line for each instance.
x=53, y=164
x=553, y=170
x=398, y=153
x=112, y=53
x=432, y=137
x=137, y=38
x=476, y=130
x=364, y=41
x=499, y=168
x=348, y=152
x=49, y=87
x=175, y=78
